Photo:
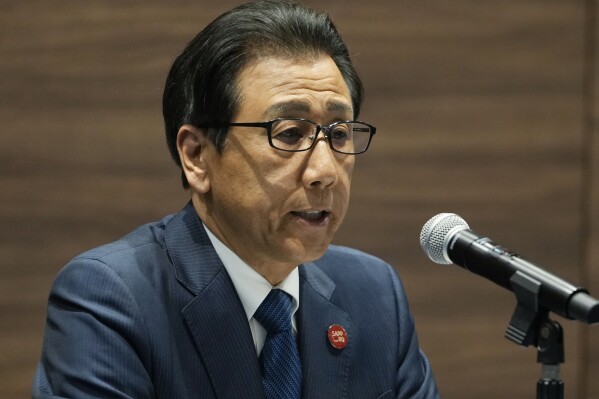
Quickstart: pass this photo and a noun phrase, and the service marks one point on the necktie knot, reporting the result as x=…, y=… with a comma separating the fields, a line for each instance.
x=274, y=313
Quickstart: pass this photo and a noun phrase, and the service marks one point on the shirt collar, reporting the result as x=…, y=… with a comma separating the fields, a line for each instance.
x=251, y=287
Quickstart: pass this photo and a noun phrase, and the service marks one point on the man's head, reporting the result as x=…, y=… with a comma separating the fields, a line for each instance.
x=261, y=98
x=201, y=88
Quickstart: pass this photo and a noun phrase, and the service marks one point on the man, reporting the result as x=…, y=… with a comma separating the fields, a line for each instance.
x=256, y=110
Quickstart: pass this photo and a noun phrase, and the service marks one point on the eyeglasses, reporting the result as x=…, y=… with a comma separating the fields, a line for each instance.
x=298, y=134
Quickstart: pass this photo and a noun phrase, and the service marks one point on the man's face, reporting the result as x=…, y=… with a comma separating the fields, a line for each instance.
x=278, y=209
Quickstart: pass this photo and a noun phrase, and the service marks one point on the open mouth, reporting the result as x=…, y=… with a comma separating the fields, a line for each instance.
x=312, y=217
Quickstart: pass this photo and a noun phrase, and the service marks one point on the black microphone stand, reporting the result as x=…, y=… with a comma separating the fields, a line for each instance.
x=531, y=325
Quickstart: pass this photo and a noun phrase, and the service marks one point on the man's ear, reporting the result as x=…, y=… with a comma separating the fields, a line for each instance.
x=194, y=147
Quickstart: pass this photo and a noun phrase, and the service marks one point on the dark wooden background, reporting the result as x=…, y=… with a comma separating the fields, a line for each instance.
x=484, y=108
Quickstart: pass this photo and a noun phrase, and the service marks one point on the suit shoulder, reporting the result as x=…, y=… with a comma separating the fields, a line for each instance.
x=134, y=263
x=150, y=233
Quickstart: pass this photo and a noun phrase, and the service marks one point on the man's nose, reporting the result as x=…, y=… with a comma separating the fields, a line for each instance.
x=321, y=166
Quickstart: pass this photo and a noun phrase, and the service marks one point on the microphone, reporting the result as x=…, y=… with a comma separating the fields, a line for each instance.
x=446, y=238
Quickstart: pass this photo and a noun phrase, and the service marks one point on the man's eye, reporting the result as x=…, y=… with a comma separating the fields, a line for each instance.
x=291, y=135
x=340, y=133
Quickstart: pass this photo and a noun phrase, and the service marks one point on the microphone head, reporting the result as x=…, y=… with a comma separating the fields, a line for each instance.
x=436, y=234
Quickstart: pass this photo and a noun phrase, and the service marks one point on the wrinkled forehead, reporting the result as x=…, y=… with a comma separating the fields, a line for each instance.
x=278, y=87
x=298, y=106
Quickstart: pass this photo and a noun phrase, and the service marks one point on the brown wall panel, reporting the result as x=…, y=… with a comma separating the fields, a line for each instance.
x=480, y=112
x=591, y=243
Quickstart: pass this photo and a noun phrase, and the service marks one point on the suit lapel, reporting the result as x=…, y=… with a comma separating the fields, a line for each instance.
x=325, y=370
x=215, y=316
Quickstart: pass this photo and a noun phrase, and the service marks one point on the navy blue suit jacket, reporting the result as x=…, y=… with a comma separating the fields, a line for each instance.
x=155, y=315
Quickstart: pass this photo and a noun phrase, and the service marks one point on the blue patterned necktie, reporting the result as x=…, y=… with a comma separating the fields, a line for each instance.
x=279, y=359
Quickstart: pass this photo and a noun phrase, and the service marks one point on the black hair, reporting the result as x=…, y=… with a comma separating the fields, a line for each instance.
x=201, y=87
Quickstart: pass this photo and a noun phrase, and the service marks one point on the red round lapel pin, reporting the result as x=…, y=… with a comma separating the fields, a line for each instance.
x=337, y=336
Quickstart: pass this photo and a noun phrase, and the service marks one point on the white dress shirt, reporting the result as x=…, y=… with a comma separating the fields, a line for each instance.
x=252, y=288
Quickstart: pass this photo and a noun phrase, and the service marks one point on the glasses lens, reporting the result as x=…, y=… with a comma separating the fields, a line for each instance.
x=292, y=135
x=350, y=137
x=299, y=135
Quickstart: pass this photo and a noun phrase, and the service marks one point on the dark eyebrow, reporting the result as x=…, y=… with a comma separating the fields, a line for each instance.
x=280, y=109
x=283, y=108
x=337, y=106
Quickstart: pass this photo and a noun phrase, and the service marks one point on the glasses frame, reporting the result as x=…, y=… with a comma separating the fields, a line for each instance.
x=326, y=129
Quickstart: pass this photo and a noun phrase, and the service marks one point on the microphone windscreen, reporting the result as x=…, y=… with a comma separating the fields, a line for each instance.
x=435, y=235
